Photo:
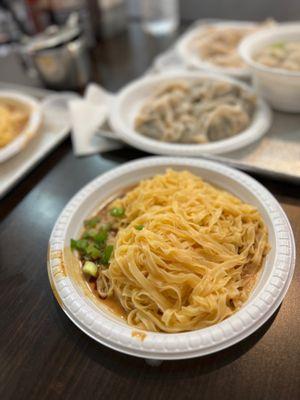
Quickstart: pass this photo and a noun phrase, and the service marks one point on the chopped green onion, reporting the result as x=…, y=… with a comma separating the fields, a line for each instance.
x=90, y=234
x=107, y=226
x=139, y=227
x=278, y=45
x=107, y=254
x=101, y=236
x=93, y=252
x=117, y=212
x=91, y=223
x=73, y=244
x=80, y=245
x=90, y=268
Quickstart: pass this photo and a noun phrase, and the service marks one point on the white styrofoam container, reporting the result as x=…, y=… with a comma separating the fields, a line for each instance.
x=131, y=98
x=191, y=59
x=281, y=88
x=113, y=332
x=54, y=129
x=31, y=128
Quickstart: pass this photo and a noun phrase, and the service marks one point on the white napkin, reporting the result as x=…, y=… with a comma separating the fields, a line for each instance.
x=88, y=114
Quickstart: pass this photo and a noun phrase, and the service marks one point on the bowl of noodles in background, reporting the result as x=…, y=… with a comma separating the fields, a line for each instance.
x=166, y=258
x=20, y=119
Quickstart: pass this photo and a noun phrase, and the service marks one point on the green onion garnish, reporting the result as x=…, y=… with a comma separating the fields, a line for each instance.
x=107, y=226
x=139, y=227
x=91, y=223
x=107, y=254
x=278, y=45
x=80, y=245
x=101, y=236
x=90, y=234
x=90, y=268
x=73, y=244
x=117, y=212
x=93, y=252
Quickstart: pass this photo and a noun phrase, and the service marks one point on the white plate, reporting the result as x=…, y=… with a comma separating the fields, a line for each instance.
x=190, y=58
x=31, y=128
x=111, y=331
x=132, y=97
x=54, y=129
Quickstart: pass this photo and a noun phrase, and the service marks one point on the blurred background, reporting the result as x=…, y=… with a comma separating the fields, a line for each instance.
x=225, y=9
x=64, y=44
x=103, y=16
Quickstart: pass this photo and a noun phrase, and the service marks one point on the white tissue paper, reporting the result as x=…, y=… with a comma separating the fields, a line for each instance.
x=88, y=114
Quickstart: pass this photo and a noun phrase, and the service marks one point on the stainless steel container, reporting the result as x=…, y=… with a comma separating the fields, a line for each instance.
x=59, y=56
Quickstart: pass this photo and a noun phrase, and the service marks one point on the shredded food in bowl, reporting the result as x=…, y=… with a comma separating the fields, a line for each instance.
x=218, y=44
x=13, y=118
x=198, y=111
x=282, y=55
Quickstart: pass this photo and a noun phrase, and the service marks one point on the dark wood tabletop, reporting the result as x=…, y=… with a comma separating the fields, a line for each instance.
x=44, y=356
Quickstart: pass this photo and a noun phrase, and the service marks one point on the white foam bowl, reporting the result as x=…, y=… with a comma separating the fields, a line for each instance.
x=113, y=332
x=194, y=60
x=281, y=88
x=31, y=128
x=132, y=97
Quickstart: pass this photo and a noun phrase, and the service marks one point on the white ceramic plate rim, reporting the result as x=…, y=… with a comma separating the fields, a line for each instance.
x=245, y=47
x=260, y=124
x=30, y=129
x=190, y=58
x=103, y=329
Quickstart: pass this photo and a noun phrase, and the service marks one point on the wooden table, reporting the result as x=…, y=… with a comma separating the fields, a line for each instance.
x=44, y=356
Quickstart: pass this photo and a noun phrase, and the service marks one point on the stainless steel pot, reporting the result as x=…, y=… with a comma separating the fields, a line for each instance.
x=59, y=56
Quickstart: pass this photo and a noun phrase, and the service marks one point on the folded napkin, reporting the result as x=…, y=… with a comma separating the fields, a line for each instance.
x=88, y=115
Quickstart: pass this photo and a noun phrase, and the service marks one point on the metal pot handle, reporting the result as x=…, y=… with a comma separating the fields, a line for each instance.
x=27, y=62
